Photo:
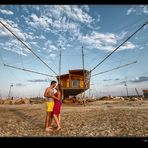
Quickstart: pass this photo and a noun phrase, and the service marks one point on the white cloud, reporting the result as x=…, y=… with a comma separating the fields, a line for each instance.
x=145, y=9
x=38, y=21
x=52, y=47
x=85, y=7
x=65, y=26
x=13, y=46
x=34, y=43
x=122, y=35
x=3, y=33
x=7, y=12
x=42, y=21
x=98, y=18
x=99, y=38
x=73, y=12
x=25, y=8
x=29, y=36
x=53, y=56
x=141, y=48
x=138, y=10
x=62, y=20
x=69, y=45
x=105, y=41
x=42, y=37
x=80, y=15
x=127, y=45
x=13, y=27
x=11, y=43
x=105, y=37
x=130, y=10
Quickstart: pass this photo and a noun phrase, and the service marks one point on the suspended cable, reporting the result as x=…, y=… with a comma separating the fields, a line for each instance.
x=60, y=65
x=138, y=56
x=21, y=57
x=28, y=70
x=2, y=59
x=133, y=24
x=27, y=47
x=118, y=47
x=115, y=68
x=83, y=70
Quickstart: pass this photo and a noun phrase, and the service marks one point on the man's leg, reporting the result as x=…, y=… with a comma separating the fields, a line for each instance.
x=48, y=116
x=50, y=111
x=47, y=119
x=50, y=120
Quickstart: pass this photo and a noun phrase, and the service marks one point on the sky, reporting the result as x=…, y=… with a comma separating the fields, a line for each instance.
x=98, y=28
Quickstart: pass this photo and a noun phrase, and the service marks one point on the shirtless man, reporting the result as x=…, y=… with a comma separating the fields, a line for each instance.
x=50, y=104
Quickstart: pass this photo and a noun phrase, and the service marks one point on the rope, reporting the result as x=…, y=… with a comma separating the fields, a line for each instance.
x=115, y=68
x=27, y=47
x=28, y=70
x=2, y=58
x=118, y=47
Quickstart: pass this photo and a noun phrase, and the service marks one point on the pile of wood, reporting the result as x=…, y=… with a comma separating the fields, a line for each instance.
x=118, y=98
x=121, y=98
x=36, y=101
x=106, y=98
x=68, y=100
x=135, y=99
x=81, y=101
x=8, y=101
x=21, y=101
x=1, y=101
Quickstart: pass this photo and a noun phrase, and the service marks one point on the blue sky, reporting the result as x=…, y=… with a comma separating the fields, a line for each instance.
x=99, y=28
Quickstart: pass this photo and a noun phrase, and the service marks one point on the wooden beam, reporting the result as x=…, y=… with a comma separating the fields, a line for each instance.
x=69, y=80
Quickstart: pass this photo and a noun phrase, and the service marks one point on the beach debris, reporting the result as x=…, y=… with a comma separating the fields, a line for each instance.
x=1, y=101
x=7, y=101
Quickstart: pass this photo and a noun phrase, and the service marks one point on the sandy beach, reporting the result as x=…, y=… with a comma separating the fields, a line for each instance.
x=96, y=119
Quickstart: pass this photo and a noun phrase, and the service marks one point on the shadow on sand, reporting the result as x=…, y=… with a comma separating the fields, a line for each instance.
x=30, y=119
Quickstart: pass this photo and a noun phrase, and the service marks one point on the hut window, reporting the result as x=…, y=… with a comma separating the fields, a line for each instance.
x=75, y=83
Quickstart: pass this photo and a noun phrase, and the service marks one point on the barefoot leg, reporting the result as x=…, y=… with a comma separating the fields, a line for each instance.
x=56, y=120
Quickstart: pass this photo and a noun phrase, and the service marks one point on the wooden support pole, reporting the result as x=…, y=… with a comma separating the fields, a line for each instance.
x=83, y=71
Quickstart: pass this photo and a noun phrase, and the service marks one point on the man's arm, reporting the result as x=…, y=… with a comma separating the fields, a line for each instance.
x=49, y=93
x=46, y=93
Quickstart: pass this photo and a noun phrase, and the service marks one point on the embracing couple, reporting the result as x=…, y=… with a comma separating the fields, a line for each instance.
x=53, y=106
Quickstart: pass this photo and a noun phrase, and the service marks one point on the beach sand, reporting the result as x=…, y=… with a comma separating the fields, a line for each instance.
x=96, y=119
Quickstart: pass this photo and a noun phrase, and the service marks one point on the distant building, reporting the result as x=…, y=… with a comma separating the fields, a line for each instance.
x=75, y=82
x=145, y=93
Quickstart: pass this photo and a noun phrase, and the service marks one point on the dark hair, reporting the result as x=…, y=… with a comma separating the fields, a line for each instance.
x=59, y=88
x=53, y=82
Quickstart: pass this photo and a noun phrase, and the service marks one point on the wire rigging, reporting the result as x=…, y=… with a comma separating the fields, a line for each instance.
x=2, y=59
x=27, y=47
x=73, y=55
x=119, y=46
x=27, y=70
x=115, y=68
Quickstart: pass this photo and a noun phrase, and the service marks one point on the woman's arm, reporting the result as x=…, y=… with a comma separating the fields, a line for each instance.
x=59, y=95
x=50, y=94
